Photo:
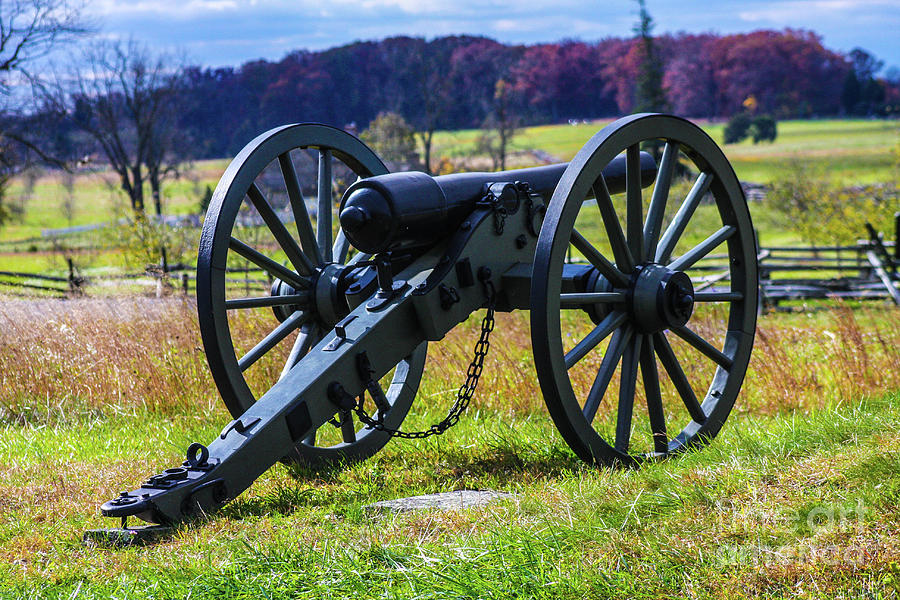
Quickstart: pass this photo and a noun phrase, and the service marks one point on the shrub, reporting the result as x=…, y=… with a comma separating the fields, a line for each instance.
x=736, y=128
x=823, y=212
x=763, y=129
x=141, y=239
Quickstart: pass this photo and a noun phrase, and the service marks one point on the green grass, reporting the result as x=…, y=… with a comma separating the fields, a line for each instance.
x=775, y=503
x=96, y=198
x=798, y=497
x=853, y=151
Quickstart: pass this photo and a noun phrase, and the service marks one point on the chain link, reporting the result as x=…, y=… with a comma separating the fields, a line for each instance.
x=492, y=200
x=463, y=395
x=500, y=214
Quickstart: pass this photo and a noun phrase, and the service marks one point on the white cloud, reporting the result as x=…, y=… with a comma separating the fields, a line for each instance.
x=189, y=8
x=800, y=11
x=241, y=30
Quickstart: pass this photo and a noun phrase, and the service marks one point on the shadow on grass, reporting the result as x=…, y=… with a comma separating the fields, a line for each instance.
x=343, y=492
x=513, y=463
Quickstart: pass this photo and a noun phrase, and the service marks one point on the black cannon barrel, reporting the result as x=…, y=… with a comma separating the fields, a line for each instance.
x=411, y=209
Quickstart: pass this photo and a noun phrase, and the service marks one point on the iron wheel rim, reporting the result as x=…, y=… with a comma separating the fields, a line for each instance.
x=230, y=193
x=565, y=408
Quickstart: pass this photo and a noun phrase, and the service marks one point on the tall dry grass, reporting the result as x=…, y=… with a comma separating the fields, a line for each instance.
x=799, y=362
x=63, y=358
x=843, y=355
x=103, y=356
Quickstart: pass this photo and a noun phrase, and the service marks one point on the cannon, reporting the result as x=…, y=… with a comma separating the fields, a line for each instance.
x=600, y=250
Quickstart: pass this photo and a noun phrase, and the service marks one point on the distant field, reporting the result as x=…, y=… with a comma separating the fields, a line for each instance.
x=851, y=152
x=854, y=151
x=98, y=199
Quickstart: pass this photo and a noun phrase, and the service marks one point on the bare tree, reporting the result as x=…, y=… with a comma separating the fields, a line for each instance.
x=500, y=126
x=29, y=31
x=127, y=100
x=432, y=98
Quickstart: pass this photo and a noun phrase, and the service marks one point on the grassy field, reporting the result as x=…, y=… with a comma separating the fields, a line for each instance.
x=798, y=497
x=852, y=151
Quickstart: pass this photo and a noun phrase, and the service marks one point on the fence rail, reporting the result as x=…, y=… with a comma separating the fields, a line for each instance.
x=867, y=270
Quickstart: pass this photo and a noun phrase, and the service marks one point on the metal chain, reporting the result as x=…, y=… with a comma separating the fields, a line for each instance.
x=500, y=213
x=463, y=395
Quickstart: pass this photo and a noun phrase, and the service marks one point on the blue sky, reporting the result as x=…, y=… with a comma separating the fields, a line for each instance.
x=230, y=32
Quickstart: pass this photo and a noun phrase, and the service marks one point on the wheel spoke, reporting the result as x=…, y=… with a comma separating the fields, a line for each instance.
x=657, y=209
x=718, y=296
x=689, y=258
x=348, y=430
x=609, y=324
x=359, y=257
x=606, y=268
x=627, y=388
x=267, y=264
x=341, y=248
x=270, y=341
x=298, y=207
x=301, y=346
x=684, y=214
x=608, y=366
x=266, y=301
x=291, y=248
x=704, y=347
x=679, y=379
x=323, y=216
x=634, y=215
x=617, y=242
x=580, y=299
x=711, y=280
x=650, y=376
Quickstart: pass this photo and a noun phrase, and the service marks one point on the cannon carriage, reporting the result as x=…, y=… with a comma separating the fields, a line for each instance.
x=595, y=249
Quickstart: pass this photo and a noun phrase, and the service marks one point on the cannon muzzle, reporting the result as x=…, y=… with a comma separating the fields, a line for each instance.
x=400, y=211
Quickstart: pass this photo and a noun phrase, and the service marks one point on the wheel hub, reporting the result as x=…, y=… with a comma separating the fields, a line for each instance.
x=280, y=288
x=327, y=295
x=661, y=298
x=324, y=298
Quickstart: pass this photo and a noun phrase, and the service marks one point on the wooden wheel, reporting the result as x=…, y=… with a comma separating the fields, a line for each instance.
x=637, y=306
x=266, y=295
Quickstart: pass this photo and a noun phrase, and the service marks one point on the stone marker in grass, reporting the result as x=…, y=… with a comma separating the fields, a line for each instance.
x=442, y=501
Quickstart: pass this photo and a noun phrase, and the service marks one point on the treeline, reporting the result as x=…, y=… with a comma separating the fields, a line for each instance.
x=450, y=83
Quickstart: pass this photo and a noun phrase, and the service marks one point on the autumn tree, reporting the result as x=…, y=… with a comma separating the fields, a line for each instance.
x=690, y=76
x=475, y=67
x=561, y=81
x=393, y=140
x=428, y=106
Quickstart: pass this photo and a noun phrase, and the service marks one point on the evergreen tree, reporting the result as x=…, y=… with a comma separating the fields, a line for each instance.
x=649, y=93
